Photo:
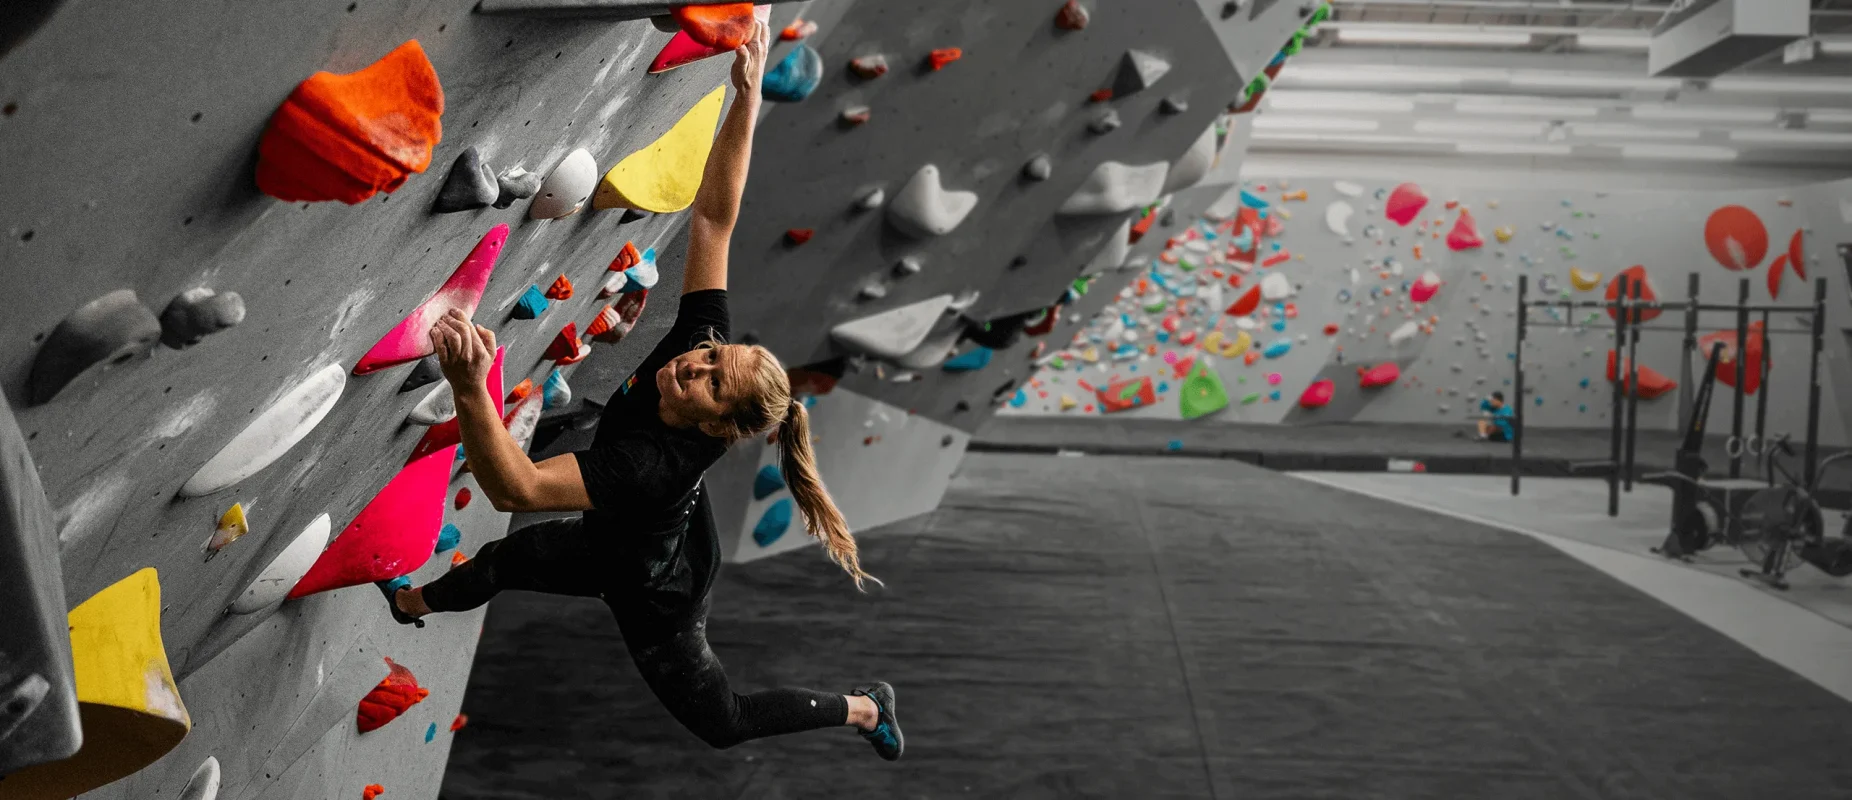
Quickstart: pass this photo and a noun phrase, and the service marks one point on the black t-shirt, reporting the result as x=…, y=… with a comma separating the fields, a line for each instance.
x=644, y=479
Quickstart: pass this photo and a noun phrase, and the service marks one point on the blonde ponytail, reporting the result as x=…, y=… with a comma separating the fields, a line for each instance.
x=821, y=517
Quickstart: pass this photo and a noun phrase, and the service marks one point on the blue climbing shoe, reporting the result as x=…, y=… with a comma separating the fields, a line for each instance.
x=886, y=737
x=391, y=590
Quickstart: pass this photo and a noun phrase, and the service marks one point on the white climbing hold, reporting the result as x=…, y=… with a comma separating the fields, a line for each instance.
x=924, y=207
x=1404, y=333
x=1113, y=251
x=1348, y=189
x=281, y=575
x=1337, y=217
x=908, y=265
x=964, y=300
x=204, y=785
x=1115, y=188
x=872, y=199
x=892, y=333
x=1276, y=286
x=1138, y=70
x=271, y=434
x=1194, y=164
x=565, y=191
x=525, y=421
x=437, y=407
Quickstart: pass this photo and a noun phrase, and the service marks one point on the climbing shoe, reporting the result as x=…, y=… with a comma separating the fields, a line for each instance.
x=391, y=590
x=886, y=737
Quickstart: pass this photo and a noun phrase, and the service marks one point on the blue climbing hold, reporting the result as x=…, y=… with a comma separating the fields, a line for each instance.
x=1244, y=240
x=1163, y=387
x=1274, y=395
x=810, y=401
x=460, y=455
x=555, y=393
x=1585, y=383
x=1019, y=399
x=776, y=521
x=1278, y=348
x=1252, y=200
x=1163, y=337
x=1279, y=324
x=795, y=77
x=531, y=305
x=768, y=482
x=1175, y=445
x=968, y=361
x=448, y=538
x=401, y=582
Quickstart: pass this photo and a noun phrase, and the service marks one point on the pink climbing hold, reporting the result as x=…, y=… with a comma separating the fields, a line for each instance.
x=445, y=434
x=1465, y=233
x=411, y=339
x=1405, y=203
x=393, y=535
x=1424, y=288
x=1318, y=394
x=1384, y=374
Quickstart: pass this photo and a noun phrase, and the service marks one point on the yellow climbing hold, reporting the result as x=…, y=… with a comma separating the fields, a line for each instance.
x=1584, y=281
x=1068, y=403
x=1212, y=342
x=126, y=698
x=231, y=526
x=1090, y=354
x=663, y=176
x=1504, y=232
x=1240, y=345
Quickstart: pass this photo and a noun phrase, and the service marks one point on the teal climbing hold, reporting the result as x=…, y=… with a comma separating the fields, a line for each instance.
x=1019, y=400
x=968, y=361
x=768, y=482
x=773, y=525
x=1274, y=395
x=401, y=582
x=448, y=538
x=532, y=304
x=1277, y=348
x=1176, y=445
x=1252, y=200
x=430, y=733
x=555, y=392
x=795, y=77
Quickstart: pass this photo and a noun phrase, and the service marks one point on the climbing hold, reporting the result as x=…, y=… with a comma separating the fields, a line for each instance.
x=437, y=407
x=1337, y=218
x=892, y=333
x=1121, y=395
x=1424, y=287
x=1138, y=70
x=1173, y=105
x=872, y=291
x=665, y=174
x=1639, y=287
x=564, y=191
x=974, y=359
x=1465, y=233
x=923, y=207
x=398, y=691
x=556, y=392
x=197, y=313
x=1384, y=374
x=204, y=784
x=1115, y=188
x=855, y=115
x=1072, y=17
x=869, y=67
x=1038, y=168
x=1405, y=203
x=1068, y=403
x=872, y=199
x=722, y=26
x=463, y=498
x=1275, y=287
x=798, y=29
x=514, y=184
x=795, y=77
x=346, y=137
x=1246, y=304
x=425, y=373
x=232, y=525
x=1277, y=348
x=627, y=257
x=1736, y=238
x=271, y=434
x=531, y=304
x=430, y=733
x=566, y=347
x=1195, y=163
x=561, y=289
x=1318, y=395
x=1584, y=281
x=520, y=391
x=908, y=265
x=371, y=791
x=1202, y=394
x=282, y=573
x=1113, y=252
x=411, y=338
x=458, y=723
x=394, y=534
x=448, y=538
x=683, y=50
x=769, y=481
x=1347, y=188
x=1106, y=122
x=108, y=331
x=1231, y=8
x=39, y=718
x=631, y=215
x=1650, y=383
x=797, y=236
x=773, y=524
x=937, y=59
x=1754, y=353
x=470, y=185
x=524, y=420
x=626, y=311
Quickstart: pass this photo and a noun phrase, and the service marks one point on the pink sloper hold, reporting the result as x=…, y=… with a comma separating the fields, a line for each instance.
x=1318, y=394
x=447, y=434
x=1465, y=233
x=411, y=339
x=1424, y=287
x=683, y=50
x=1405, y=203
x=392, y=536
x=1379, y=376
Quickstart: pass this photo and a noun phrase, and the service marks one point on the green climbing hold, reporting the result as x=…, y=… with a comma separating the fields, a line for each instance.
x=1203, y=393
x=1251, y=399
x=1156, y=306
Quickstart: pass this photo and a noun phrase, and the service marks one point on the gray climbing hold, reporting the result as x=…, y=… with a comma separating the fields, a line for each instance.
x=516, y=184
x=204, y=785
x=908, y=265
x=666, y=23
x=425, y=373
x=38, y=695
x=872, y=199
x=1039, y=168
x=1194, y=164
x=110, y=330
x=1106, y=122
x=1113, y=251
x=855, y=115
x=1172, y=105
x=934, y=350
x=1115, y=188
x=197, y=313
x=470, y=185
x=892, y=333
x=925, y=208
x=872, y=291
x=631, y=215
x=1138, y=70
x=566, y=188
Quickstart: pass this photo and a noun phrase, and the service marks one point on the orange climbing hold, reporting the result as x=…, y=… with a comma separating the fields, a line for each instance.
x=348, y=137
x=943, y=56
x=457, y=560
x=1247, y=303
x=626, y=258
x=1650, y=383
x=1072, y=17
x=560, y=290
x=458, y=723
x=373, y=790
x=398, y=691
x=519, y=392
x=797, y=236
x=798, y=29
x=725, y=26
x=1639, y=287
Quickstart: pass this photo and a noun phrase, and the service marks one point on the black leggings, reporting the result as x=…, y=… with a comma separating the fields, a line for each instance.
x=556, y=557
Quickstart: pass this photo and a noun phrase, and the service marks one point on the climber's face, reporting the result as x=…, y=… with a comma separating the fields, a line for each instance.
x=700, y=385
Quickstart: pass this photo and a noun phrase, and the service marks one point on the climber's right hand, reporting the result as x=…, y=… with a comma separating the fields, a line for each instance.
x=464, y=350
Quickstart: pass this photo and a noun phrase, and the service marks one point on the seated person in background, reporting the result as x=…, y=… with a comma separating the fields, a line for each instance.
x=1499, y=427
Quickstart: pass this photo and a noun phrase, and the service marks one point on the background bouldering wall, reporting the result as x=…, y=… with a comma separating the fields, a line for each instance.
x=1351, y=292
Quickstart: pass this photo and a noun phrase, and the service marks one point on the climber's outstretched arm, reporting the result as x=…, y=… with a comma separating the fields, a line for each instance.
x=717, y=203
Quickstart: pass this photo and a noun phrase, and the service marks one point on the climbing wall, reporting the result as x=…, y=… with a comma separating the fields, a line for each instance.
x=1338, y=291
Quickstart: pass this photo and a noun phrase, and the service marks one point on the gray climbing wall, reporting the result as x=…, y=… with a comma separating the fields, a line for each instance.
x=1361, y=286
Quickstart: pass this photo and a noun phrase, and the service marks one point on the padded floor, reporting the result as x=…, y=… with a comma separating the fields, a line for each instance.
x=1124, y=627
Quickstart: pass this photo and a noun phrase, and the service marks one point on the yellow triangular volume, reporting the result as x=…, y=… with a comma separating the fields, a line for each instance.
x=131, y=710
x=664, y=176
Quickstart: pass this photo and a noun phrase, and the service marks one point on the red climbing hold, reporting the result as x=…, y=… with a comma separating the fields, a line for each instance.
x=1331, y=329
x=1318, y=394
x=560, y=290
x=394, y=534
x=1736, y=237
x=1072, y=17
x=565, y=345
x=1755, y=356
x=798, y=29
x=458, y=723
x=1188, y=338
x=1465, y=233
x=1247, y=303
x=1775, y=269
x=1384, y=374
x=373, y=790
x=626, y=258
x=1651, y=384
x=943, y=56
x=1100, y=95
x=519, y=392
x=463, y=498
x=1639, y=287
x=1183, y=366
x=1121, y=395
x=1797, y=256
x=398, y=691
x=724, y=26
x=1042, y=325
x=616, y=321
x=347, y=137
x=683, y=50
x=797, y=236
x=1405, y=203
x=869, y=67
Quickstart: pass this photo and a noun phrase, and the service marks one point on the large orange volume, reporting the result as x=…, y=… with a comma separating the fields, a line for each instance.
x=725, y=26
x=347, y=137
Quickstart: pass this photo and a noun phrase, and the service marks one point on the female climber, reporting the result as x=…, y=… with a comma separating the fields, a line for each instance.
x=646, y=543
